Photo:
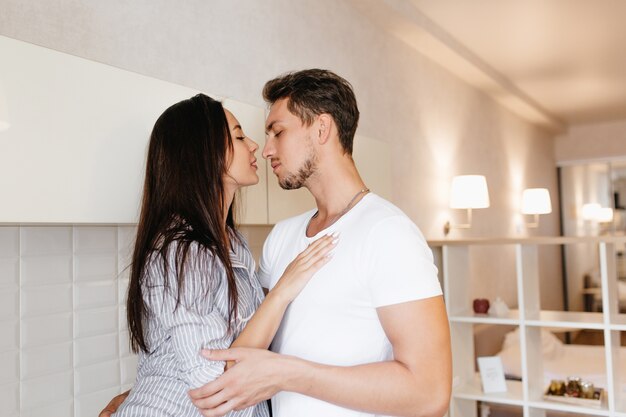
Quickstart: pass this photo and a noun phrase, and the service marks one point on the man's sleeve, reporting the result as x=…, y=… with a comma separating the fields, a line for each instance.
x=398, y=263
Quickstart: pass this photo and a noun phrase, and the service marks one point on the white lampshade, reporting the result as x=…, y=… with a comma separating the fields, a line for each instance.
x=536, y=201
x=590, y=211
x=469, y=191
x=597, y=213
x=605, y=215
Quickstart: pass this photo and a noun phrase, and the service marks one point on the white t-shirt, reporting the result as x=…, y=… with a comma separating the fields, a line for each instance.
x=381, y=259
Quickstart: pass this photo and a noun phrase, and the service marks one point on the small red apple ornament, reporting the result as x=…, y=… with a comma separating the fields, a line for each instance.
x=481, y=305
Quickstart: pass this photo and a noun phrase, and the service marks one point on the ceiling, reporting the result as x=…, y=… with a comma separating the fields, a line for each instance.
x=555, y=62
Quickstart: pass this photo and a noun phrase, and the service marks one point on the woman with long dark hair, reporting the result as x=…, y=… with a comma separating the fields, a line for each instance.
x=192, y=280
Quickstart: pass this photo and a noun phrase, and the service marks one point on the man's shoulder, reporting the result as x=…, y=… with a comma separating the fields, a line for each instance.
x=380, y=210
x=383, y=218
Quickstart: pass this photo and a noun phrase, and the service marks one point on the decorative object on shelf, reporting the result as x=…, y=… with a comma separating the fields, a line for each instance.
x=499, y=308
x=480, y=306
x=467, y=192
x=536, y=201
x=491, y=374
x=574, y=391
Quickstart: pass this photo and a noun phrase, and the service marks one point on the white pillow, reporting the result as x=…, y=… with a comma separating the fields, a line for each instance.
x=551, y=346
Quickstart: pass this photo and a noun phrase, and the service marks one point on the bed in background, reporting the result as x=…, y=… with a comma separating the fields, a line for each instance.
x=561, y=360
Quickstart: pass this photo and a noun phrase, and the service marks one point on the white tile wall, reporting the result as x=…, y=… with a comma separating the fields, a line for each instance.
x=47, y=359
x=9, y=363
x=9, y=321
x=90, y=405
x=9, y=303
x=49, y=389
x=64, y=349
x=9, y=272
x=9, y=399
x=63, y=408
x=46, y=330
x=9, y=241
x=60, y=350
x=10, y=332
x=95, y=321
x=42, y=300
x=45, y=241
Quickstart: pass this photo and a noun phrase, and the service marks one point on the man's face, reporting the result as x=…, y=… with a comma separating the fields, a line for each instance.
x=289, y=147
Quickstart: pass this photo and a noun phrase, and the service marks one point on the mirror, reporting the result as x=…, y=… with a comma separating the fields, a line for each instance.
x=593, y=201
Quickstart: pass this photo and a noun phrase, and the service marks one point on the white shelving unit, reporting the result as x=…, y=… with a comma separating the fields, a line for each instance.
x=527, y=394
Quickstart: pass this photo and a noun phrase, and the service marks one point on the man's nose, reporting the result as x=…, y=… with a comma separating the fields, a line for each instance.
x=268, y=149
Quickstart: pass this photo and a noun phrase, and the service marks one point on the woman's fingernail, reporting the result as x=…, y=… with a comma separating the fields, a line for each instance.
x=335, y=234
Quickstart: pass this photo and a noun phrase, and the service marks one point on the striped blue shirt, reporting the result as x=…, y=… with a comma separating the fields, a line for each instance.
x=175, y=335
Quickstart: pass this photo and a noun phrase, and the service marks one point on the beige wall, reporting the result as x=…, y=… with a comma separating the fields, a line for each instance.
x=592, y=141
x=438, y=125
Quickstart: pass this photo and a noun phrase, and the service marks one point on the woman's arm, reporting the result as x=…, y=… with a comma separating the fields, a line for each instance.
x=262, y=327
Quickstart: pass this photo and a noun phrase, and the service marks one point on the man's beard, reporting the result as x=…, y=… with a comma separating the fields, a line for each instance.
x=297, y=180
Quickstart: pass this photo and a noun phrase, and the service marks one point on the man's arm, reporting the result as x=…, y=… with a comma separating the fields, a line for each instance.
x=113, y=405
x=416, y=383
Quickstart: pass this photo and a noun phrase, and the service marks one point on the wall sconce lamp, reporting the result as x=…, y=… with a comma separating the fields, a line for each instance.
x=595, y=212
x=536, y=201
x=467, y=192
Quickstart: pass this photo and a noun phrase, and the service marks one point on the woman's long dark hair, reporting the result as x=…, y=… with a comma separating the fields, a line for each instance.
x=183, y=200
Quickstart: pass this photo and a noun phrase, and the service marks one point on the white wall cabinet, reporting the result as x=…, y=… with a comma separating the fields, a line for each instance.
x=76, y=147
x=75, y=151
x=527, y=394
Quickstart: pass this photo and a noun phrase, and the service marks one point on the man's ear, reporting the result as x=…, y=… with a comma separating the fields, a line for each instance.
x=324, y=124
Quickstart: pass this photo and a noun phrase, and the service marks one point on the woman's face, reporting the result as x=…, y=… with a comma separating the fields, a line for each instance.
x=242, y=162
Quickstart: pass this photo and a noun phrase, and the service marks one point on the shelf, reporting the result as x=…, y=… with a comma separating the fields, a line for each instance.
x=459, y=277
x=472, y=390
x=470, y=317
x=556, y=240
x=568, y=319
x=558, y=319
x=619, y=323
x=548, y=405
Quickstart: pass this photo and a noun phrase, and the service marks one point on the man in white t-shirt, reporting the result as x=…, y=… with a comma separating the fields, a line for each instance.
x=369, y=334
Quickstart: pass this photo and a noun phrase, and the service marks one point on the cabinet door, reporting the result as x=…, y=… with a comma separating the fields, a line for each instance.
x=373, y=160
x=253, y=207
x=76, y=147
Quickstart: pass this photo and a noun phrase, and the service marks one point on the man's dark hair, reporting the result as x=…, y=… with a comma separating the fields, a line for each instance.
x=313, y=92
